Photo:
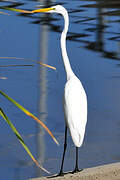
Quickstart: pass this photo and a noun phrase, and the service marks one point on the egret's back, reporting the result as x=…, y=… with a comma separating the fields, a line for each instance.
x=75, y=107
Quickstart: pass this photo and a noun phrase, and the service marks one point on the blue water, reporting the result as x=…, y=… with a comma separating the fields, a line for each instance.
x=93, y=49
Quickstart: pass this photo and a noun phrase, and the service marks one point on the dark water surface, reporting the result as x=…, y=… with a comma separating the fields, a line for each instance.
x=94, y=51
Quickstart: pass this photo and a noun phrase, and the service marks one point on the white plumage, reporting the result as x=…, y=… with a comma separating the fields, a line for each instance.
x=75, y=107
x=75, y=100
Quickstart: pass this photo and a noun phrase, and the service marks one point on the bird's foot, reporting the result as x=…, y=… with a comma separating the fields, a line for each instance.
x=76, y=170
x=61, y=174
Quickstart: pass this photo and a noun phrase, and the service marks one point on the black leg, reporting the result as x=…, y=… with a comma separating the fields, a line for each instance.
x=65, y=146
x=76, y=165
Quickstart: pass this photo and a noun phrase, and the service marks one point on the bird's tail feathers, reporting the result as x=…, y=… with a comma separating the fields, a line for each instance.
x=77, y=137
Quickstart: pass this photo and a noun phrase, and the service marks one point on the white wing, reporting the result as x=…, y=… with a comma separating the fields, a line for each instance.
x=75, y=107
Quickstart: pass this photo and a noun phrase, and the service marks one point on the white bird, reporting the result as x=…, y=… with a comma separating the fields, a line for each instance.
x=75, y=99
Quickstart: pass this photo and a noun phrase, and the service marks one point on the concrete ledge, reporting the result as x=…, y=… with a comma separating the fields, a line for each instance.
x=105, y=172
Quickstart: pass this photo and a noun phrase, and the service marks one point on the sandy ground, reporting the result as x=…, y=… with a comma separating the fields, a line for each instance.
x=105, y=172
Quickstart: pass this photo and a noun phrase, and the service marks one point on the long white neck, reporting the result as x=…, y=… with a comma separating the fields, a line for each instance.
x=66, y=62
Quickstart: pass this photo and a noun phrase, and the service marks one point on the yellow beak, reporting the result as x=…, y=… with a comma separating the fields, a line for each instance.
x=42, y=10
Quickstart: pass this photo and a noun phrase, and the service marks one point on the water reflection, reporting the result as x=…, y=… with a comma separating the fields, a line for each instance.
x=102, y=11
x=42, y=91
x=102, y=24
x=93, y=37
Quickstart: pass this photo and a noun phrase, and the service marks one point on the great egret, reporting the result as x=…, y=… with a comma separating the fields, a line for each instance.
x=75, y=100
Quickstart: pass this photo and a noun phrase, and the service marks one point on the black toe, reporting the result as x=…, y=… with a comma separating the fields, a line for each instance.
x=76, y=170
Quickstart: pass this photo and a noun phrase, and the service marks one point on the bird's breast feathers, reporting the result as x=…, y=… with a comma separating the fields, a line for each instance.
x=75, y=107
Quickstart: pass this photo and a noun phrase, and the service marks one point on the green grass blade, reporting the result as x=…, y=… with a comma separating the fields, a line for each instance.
x=29, y=114
x=14, y=9
x=38, y=62
x=4, y=13
x=20, y=139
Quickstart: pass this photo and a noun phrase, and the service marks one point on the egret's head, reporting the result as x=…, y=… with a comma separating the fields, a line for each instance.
x=54, y=9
